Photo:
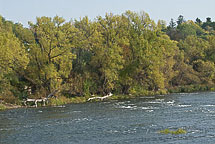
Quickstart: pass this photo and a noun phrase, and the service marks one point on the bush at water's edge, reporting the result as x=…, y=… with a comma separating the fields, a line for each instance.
x=2, y=107
x=191, y=88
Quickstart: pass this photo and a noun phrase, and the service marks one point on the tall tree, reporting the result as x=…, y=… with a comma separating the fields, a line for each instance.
x=107, y=57
x=198, y=21
x=208, y=20
x=50, y=54
x=172, y=24
x=180, y=20
x=13, y=58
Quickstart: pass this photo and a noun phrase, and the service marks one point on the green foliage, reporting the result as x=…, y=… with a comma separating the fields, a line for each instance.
x=180, y=20
x=209, y=25
x=78, y=99
x=58, y=101
x=191, y=88
x=62, y=100
x=124, y=54
x=2, y=107
x=50, y=53
x=107, y=59
x=176, y=132
x=194, y=48
x=13, y=59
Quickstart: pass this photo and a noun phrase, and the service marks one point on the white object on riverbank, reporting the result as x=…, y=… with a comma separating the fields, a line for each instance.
x=43, y=100
x=101, y=98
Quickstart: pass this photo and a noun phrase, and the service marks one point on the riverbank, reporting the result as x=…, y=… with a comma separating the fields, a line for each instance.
x=4, y=106
x=62, y=100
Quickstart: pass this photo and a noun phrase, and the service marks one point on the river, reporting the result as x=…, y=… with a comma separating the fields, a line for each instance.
x=115, y=122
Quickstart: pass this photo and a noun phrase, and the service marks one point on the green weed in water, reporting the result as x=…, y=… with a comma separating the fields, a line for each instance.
x=176, y=132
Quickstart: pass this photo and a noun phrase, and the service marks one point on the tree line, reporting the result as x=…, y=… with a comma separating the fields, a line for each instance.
x=122, y=54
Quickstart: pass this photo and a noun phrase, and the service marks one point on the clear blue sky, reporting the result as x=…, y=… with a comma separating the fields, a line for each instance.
x=27, y=10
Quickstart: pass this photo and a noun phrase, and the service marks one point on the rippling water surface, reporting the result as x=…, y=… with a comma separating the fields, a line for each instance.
x=130, y=121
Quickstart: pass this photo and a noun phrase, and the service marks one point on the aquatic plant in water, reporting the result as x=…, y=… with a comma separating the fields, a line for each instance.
x=176, y=132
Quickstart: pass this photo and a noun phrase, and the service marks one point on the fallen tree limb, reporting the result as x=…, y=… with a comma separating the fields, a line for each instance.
x=101, y=98
x=35, y=101
x=41, y=100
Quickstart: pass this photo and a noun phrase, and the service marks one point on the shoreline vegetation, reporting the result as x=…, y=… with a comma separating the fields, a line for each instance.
x=128, y=55
x=62, y=100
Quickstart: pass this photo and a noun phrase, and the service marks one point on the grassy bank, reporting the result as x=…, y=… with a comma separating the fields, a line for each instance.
x=181, y=89
x=4, y=106
x=62, y=100
x=191, y=88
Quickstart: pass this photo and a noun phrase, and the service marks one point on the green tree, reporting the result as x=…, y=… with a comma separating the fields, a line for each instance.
x=81, y=81
x=50, y=53
x=172, y=24
x=208, y=20
x=107, y=57
x=206, y=70
x=13, y=59
x=209, y=25
x=184, y=73
x=180, y=20
x=150, y=51
x=210, y=52
x=171, y=30
x=198, y=21
x=194, y=48
x=189, y=28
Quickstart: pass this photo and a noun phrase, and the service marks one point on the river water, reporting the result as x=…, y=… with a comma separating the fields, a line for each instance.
x=114, y=122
